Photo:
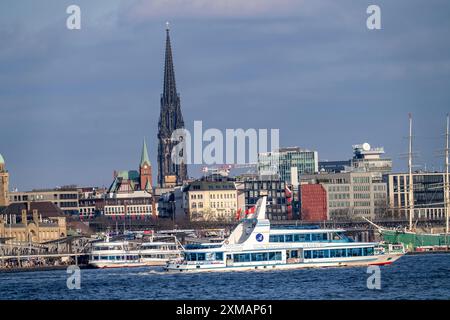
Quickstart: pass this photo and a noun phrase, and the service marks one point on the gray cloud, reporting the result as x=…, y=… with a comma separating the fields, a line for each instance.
x=75, y=105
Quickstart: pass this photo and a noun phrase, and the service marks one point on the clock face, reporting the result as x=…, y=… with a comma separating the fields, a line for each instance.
x=145, y=167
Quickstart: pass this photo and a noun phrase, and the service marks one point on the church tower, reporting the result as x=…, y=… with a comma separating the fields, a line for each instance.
x=4, y=184
x=145, y=170
x=170, y=119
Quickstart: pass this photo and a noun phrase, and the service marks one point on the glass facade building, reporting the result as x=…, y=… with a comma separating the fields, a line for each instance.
x=282, y=162
x=428, y=194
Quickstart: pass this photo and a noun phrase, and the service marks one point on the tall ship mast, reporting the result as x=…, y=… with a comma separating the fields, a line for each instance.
x=414, y=239
x=410, y=177
x=446, y=179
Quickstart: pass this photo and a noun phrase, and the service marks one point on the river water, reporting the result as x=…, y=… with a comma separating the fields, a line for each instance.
x=411, y=277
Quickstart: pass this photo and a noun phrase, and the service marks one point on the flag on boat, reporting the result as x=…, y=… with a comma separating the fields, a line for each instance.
x=249, y=212
x=238, y=214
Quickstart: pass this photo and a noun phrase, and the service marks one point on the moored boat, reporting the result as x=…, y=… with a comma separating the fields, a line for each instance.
x=114, y=254
x=125, y=254
x=157, y=253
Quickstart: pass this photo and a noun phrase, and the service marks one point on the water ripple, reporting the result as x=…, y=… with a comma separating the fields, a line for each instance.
x=411, y=277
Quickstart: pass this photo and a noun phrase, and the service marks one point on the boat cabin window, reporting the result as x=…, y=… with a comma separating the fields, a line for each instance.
x=108, y=247
x=319, y=237
x=257, y=256
x=340, y=236
x=202, y=256
x=275, y=256
x=243, y=257
x=338, y=253
x=276, y=238
x=337, y=236
x=302, y=237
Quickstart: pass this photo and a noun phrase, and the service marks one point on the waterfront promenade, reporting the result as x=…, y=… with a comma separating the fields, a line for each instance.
x=73, y=250
x=16, y=255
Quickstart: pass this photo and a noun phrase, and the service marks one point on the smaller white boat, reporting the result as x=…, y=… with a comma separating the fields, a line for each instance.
x=115, y=254
x=157, y=253
x=125, y=254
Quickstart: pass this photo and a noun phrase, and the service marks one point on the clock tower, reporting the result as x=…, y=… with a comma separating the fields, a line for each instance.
x=145, y=170
x=4, y=183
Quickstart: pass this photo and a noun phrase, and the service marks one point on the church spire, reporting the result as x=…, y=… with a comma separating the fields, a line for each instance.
x=144, y=154
x=169, y=90
x=170, y=119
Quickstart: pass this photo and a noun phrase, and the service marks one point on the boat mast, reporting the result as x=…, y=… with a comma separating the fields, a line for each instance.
x=411, y=193
x=446, y=180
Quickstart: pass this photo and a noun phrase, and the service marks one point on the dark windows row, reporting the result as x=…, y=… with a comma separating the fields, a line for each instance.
x=304, y=237
x=68, y=196
x=260, y=256
x=68, y=204
x=338, y=253
x=115, y=258
x=203, y=256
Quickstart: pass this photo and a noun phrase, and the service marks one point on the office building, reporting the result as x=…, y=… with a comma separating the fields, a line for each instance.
x=289, y=163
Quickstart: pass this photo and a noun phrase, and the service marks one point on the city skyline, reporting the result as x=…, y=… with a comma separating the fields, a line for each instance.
x=76, y=104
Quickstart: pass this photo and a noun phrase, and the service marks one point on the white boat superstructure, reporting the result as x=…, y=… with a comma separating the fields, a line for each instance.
x=254, y=245
x=157, y=253
x=121, y=254
x=115, y=254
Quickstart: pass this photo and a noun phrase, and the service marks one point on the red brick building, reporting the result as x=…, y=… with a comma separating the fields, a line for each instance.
x=313, y=199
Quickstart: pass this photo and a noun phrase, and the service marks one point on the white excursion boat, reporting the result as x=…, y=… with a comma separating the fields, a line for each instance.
x=114, y=254
x=157, y=253
x=254, y=245
x=124, y=254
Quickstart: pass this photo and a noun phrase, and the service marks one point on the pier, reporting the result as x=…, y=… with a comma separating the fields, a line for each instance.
x=21, y=256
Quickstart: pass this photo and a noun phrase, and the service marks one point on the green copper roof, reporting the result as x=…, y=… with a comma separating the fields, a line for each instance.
x=1, y=159
x=148, y=186
x=131, y=177
x=128, y=175
x=144, y=155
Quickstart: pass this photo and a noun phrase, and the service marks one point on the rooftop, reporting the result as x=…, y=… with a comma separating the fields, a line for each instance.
x=47, y=209
x=211, y=185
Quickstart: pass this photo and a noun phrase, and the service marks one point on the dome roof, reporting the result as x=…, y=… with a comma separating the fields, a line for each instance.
x=2, y=161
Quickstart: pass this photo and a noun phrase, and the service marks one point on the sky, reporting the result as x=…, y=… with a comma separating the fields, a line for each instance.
x=75, y=105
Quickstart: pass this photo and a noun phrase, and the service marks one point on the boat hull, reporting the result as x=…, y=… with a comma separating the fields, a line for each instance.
x=116, y=265
x=107, y=265
x=381, y=260
x=413, y=240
